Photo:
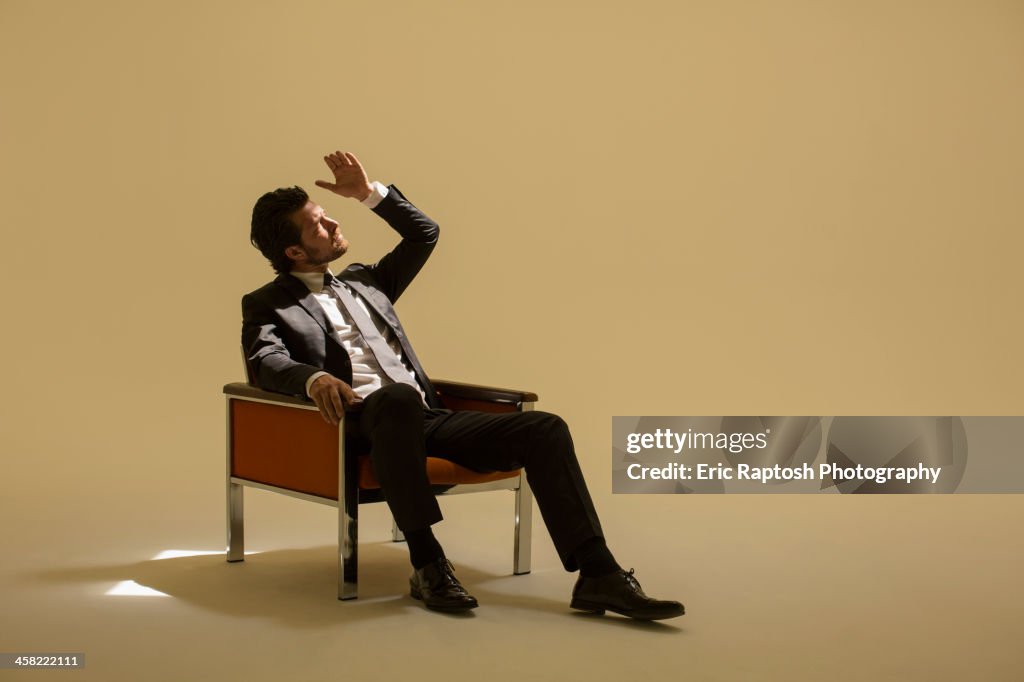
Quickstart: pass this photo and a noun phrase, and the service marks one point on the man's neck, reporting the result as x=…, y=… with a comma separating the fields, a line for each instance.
x=314, y=280
x=310, y=268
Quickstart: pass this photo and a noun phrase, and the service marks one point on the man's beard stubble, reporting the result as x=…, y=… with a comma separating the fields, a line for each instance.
x=329, y=256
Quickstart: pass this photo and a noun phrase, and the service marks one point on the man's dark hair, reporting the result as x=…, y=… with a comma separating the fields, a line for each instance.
x=273, y=230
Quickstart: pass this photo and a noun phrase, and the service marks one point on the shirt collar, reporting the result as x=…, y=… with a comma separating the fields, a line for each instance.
x=314, y=281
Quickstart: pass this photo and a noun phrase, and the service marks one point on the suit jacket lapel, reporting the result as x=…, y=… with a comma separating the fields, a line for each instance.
x=308, y=302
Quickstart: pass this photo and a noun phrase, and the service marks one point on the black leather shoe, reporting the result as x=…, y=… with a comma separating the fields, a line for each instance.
x=436, y=585
x=621, y=593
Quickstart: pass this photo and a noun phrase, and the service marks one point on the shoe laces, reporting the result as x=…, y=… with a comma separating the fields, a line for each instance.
x=448, y=571
x=631, y=580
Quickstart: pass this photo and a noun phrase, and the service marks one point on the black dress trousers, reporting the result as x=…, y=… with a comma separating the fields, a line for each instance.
x=400, y=433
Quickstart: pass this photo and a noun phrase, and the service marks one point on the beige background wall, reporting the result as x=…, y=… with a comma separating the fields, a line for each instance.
x=646, y=208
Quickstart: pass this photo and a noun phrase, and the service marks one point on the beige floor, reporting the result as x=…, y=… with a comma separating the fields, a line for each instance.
x=776, y=587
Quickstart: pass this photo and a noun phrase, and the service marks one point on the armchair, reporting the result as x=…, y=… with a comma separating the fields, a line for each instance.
x=279, y=443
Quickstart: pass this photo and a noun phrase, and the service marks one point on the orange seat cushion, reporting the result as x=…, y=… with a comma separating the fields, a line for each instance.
x=439, y=471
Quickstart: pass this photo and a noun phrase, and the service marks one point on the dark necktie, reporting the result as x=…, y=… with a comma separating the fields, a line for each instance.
x=386, y=358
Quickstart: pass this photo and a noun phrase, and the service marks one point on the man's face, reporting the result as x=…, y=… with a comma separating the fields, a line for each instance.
x=320, y=241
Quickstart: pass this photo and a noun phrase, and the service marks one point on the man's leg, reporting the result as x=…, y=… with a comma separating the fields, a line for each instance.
x=540, y=442
x=400, y=433
x=391, y=422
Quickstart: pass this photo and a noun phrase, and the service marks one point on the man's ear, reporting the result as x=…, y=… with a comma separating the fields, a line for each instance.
x=296, y=253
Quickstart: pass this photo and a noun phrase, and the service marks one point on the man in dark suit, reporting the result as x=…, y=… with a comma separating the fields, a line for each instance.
x=337, y=340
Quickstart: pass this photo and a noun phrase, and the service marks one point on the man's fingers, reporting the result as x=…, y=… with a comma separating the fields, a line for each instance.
x=336, y=403
x=330, y=162
x=330, y=411
x=342, y=159
x=352, y=159
x=325, y=184
x=351, y=399
x=320, y=405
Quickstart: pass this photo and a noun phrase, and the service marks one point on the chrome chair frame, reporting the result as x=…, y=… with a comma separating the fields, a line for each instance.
x=348, y=500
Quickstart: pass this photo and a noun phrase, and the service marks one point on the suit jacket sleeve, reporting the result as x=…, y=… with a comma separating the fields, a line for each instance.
x=394, y=272
x=268, y=357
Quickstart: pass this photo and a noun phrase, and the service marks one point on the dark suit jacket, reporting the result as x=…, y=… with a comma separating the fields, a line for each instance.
x=287, y=338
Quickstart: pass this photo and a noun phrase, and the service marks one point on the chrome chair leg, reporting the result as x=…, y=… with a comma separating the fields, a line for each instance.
x=524, y=527
x=523, y=543
x=235, y=499
x=396, y=533
x=236, y=522
x=348, y=522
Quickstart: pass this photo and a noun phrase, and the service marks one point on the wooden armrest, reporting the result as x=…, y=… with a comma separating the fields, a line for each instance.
x=448, y=389
x=241, y=390
x=251, y=392
x=457, y=389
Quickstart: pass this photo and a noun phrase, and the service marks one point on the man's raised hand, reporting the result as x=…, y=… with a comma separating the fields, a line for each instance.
x=332, y=396
x=349, y=177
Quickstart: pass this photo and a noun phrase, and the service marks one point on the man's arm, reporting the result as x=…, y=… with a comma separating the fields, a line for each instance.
x=268, y=358
x=275, y=370
x=395, y=271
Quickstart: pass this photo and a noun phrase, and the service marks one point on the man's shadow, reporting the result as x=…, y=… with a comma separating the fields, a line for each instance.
x=298, y=587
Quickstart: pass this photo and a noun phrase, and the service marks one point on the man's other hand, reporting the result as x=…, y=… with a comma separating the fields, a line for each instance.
x=332, y=396
x=349, y=177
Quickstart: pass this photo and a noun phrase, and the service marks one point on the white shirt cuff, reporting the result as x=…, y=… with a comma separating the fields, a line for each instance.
x=377, y=194
x=309, y=382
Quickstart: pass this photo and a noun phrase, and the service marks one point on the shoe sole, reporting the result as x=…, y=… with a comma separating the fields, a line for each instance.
x=415, y=594
x=599, y=609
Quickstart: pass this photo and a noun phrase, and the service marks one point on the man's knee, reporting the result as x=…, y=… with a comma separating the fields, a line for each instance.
x=394, y=403
x=552, y=430
x=399, y=395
